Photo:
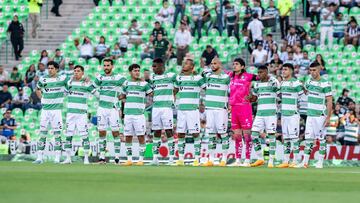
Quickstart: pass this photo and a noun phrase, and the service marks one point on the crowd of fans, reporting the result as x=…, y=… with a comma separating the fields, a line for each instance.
x=326, y=24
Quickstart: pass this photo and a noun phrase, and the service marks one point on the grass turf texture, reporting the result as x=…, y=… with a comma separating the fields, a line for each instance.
x=24, y=182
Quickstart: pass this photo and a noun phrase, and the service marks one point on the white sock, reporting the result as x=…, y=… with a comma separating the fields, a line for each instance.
x=306, y=159
x=86, y=155
x=260, y=155
x=68, y=154
x=57, y=155
x=40, y=155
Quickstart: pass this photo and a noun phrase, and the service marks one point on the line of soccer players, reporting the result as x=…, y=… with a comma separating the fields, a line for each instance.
x=224, y=90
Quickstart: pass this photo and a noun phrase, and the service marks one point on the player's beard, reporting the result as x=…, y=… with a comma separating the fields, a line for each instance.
x=107, y=71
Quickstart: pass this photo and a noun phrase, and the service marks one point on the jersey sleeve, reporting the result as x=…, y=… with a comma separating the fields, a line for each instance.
x=148, y=88
x=97, y=82
x=299, y=88
x=176, y=83
x=254, y=89
x=122, y=82
x=91, y=88
x=202, y=82
x=40, y=84
x=327, y=89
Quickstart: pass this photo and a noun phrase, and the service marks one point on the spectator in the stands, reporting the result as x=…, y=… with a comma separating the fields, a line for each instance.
x=101, y=49
x=352, y=105
x=35, y=101
x=182, y=41
x=15, y=78
x=284, y=55
x=34, y=15
x=8, y=125
x=352, y=34
x=351, y=123
x=16, y=30
x=315, y=8
x=197, y=11
x=347, y=3
x=4, y=76
x=96, y=2
x=303, y=64
x=344, y=99
x=207, y=21
x=30, y=75
x=209, y=54
x=257, y=8
x=42, y=71
x=20, y=100
x=272, y=51
x=185, y=19
x=162, y=48
x=290, y=58
x=313, y=36
x=219, y=24
x=272, y=12
x=180, y=6
x=326, y=25
x=148, y=52
x=339, y=26
x=166, y=13
x=284, y=7
x=247, y=15
x=258, y=56
x=59, y=58
x=158, y=29
x=116, y=52
x=298, y=55
x=319, y=59
x=123, y=43
x=5, y=97
x=256, y=28
x=269, y=42
x=44, y=58
x=292, y=38
x=275, y=65
x=55, y=8
x=134, y=33
x=231, y=14
x=86, y=49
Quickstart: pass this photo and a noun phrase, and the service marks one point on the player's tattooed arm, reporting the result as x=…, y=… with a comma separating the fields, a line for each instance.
x=329, y=107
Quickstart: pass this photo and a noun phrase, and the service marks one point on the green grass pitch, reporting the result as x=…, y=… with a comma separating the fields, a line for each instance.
x=24, y=182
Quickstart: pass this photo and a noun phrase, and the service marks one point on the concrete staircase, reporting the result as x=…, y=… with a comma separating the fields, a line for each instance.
x=53, y=30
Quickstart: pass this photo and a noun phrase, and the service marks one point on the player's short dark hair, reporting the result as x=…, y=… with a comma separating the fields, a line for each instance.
x=332, y=4
x=133, y=66
x=240, y=60
x=289, y=65
x=305, y=52
x=79, y=66
x=53, y=63
x=109, y=60
x=314, y=64
x=158, y=61
x=263, y=67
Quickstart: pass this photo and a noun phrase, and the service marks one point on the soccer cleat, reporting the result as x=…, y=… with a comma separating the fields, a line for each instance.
x=139, y=163
x=196, y=163
x=222, y=164
x=38, y=161
x=56, y=161
x=67, y=161
x=180, y=163
x=292, y=165
x=208, y=164
x=319, y=165
x=283, y=165
x=86, y=162
x=170, y=162
x=270, y=165
x=257, y=163
x=302, y=165
x=155, y=162
x=127, y=163
x=246, y=163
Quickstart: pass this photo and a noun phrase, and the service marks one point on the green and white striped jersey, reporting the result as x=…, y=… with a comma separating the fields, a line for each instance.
x=189, y=91
x=267, y=94
x=217, y=91
x=351, y=132
x=291, y=91
x=53, y=91
x=78, y=94
x=329, y=20
x=109, y=87
x=136, y=92
x=163, y=86
x=331, y=130
x=317, y=92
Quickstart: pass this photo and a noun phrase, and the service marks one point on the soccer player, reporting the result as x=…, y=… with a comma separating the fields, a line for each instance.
x=109, y=86
x=162, y=113
x=135, y=92
x=291, y=91
x=319, y=111
x=188, y=86
x=266, y=91
x=79, y=91
x=51, y=89
x=216, y=104
x=241, y=110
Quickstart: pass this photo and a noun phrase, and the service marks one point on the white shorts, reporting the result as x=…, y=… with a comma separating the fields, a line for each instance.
x=216, y=121
x=162, y=118
x=75, y=121
x=52, y=117
x=188, y=121
x=267, y=123
x=315, y=127
x=290, y=126
x=108, y=118
x=134, y=125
